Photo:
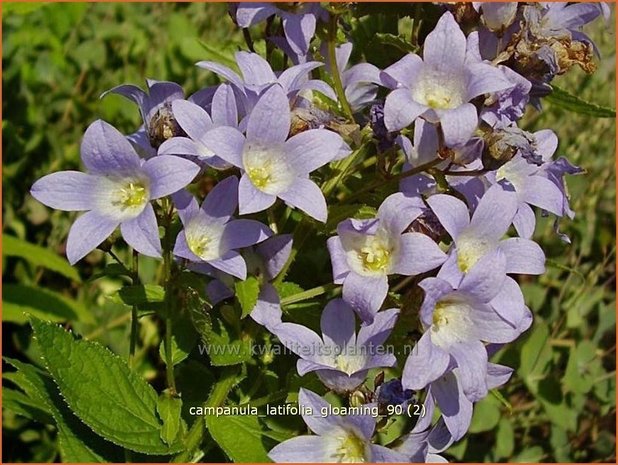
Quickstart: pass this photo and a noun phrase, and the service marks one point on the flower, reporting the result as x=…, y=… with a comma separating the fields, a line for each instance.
x=474, y=238
x=497, y=16
x=340, y=358
x=258, y=77
x=365, y=252
x=457, y=322
x=273, y=167
x=196, y=122
x=298, y=23
x=210, y=234
x=155, y=108
x=339, y=438
x=440, y=86
x=115, y=191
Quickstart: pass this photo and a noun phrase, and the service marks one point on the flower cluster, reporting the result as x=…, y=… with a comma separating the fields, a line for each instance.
x=458, y=231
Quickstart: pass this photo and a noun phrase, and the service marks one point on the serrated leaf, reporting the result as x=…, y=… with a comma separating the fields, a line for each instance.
x=396, y=41
x=184, y=338
x=38, y=256
x=19, y=301
x=247, y=292
x=287, y=289
x=101, y=390
x=242, y=438
x=563, y=99
x=76, y=442
x=219, y=340
x=169, y=409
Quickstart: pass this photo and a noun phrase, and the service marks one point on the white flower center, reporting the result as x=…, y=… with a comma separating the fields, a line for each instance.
x=122, y=198
x=470, y=250
x=267, y=168
x=438, y=91
x=350, y=363
x=451, y=322
x=350, y=448
x=370, y=255
x=204, y=240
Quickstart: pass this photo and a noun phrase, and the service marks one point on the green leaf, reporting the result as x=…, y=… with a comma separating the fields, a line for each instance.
x=184, y=338
x=398, y=42
x=20, y=301
x=220, y=341
x=338, y=213
x=287, y=289
x=505, y=439
x=38, y=256
x=242, y=438
x=563, y=99
x=77, y=443
x=101, y=390
x=169, y=409
x=535, y=356
x=247, y=292
x=486, y=415
x=147, y=297
x=29, y=407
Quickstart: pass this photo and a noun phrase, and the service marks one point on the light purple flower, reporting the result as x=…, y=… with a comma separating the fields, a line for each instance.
x=423, y=446
x=258, y=76
x=532, y=186
x=440, y=86
x=298, y=24
x=196, y=122
x=497, y=16
x=480, y=235
x=507, y=106
x=274, y=166
x=115, y=191
x=366, y=252
x=338, y=438
x=210, y=234
x=457, y=323
x=340, y=358
x=155, y=109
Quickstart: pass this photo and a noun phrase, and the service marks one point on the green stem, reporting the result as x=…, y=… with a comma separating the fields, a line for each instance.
x=272, y=222
x=217, y=397
x=167, y=282
x=134, y=316
x=334, y=70
x=308, y=294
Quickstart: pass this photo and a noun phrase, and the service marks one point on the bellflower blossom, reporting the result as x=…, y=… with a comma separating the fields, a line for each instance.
x=258, y=77
x=340, y=358
x=298, y=23
x=196, y=122
x=274, y=166
x=210, y=234
x=439, y=86
x=366, y=252
x=338, y=438
x=115, y=191
x=155, y=109
x=477, y=236
x=458, y=322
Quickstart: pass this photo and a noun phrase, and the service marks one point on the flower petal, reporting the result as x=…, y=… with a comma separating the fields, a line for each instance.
x=523, y=256
x=377, y=332
x=307, y=196
x=275, y=252
x=243, y=233
x=309, y=150
x=445, y=47
x=417, y=254
x=222, y=200
x=192, y=118
x=65, y=190
x=88, y=231
x=255, y=70
x=224, y=111
x=398, y=211
x=524, y=221
x=338, y=324
x=494, y=214
x=365, y=294
x=105, y=150
x=142, y=233
x=267, y=310
x=425, y=364
x=250, y=199
x=455, y=407
x=303, y=449
x=471, y=359
x=168, y=174
x=452, y=213
x=403, y=72
x=400, y=109
x=227, y=143
x=231, y=263
x=299, y=30
x=338, y=259
x=458, y=124
x=269, y=121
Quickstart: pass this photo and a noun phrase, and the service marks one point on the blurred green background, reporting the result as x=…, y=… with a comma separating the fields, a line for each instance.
x=58, y=58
